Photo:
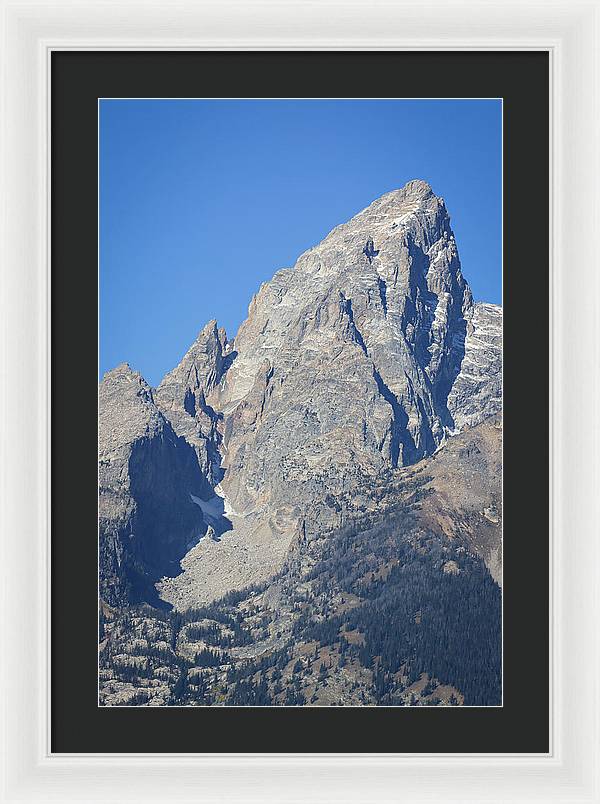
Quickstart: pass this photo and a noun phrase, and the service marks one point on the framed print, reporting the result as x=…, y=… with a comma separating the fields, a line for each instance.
x=267, y=522
x=301, y=427
x=306, y=515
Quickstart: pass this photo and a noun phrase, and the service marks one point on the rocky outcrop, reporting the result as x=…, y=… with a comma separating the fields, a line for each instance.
x=147, y=520
x=477, y=391
x=182, y=394
x=465, y=499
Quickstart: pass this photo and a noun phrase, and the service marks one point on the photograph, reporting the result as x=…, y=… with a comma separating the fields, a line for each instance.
x=300, y=402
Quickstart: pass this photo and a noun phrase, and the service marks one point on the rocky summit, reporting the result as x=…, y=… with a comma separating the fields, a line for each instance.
x=362, y=373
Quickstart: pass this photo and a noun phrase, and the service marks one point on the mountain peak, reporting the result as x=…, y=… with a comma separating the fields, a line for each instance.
x=413, y=192
x=183, y=391
x=124, y=374
x=343, y=370
x=209, y=329
x=361, y=360
x=127, y=408
x=417, y=187
x=276, y=470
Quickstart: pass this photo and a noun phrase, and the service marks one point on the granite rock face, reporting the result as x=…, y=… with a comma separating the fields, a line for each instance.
x=182, y=395
x=477, y=391
x=147, y=520
x=345, y=362
x=363, y=358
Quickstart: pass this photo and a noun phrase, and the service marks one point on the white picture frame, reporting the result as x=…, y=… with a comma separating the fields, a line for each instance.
x=570, y=32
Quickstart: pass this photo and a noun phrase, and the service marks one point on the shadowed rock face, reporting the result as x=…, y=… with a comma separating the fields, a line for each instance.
x=363, y=358
x=147, y=519
x=181, y=396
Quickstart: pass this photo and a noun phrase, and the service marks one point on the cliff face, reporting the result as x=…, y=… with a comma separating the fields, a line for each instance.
x=147, y=519
x=182, y=394
x=363, y=358
x=477, y=391
x=345, y=362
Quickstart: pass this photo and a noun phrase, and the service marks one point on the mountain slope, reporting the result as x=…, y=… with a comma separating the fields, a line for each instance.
x=391, y=606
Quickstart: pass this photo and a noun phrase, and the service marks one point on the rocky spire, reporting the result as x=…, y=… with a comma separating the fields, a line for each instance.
x=182, y=396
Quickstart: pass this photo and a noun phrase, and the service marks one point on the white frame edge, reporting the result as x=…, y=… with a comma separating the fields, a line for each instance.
x=571, y=32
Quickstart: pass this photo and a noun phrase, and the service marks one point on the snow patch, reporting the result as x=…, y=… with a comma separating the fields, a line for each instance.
x=227, y=507
x=212, y=509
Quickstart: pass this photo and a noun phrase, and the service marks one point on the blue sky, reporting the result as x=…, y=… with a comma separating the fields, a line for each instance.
x=201, y=201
